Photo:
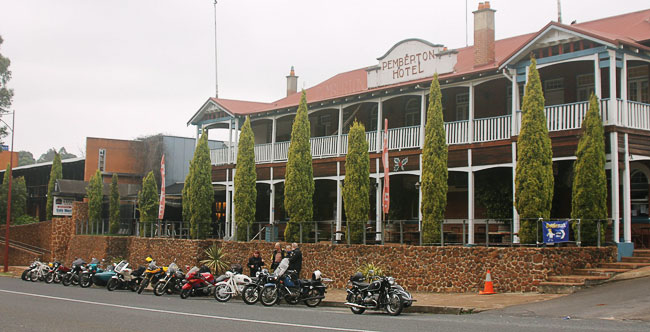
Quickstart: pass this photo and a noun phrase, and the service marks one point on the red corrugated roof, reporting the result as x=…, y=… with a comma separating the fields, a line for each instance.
x=630, y=28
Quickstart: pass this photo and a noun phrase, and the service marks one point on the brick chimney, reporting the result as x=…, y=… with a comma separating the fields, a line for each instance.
x=292, y=83
x=483, y=34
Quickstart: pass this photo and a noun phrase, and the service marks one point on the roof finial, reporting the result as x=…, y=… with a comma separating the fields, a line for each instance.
x=292, y=73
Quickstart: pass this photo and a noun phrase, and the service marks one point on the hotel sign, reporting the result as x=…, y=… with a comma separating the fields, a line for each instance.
x=62, y=206
x=409, y=60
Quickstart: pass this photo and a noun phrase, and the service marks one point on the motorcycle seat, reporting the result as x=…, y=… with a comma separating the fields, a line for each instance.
x=221, y=278
x=361, y=284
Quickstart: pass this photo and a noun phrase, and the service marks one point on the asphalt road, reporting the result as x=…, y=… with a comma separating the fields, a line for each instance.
x=27, y=306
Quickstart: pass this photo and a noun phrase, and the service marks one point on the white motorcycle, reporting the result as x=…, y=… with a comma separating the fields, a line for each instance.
x=233, y=285
x=39, y=271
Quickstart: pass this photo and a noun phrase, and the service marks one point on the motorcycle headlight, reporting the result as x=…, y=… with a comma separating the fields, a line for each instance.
x=391, y=280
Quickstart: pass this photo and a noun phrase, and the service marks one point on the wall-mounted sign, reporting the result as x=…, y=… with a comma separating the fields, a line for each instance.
x=556, y=231
x=62, y=206
x=411, y=59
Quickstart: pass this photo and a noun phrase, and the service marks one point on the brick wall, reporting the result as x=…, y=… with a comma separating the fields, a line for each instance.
x=447, y=269
x=36, y=234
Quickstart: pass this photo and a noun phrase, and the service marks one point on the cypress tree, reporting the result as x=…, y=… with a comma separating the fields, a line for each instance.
x=299, y=177
x=56, y=172
x=95, y=197
x=589, y=201
x=198, y=189
x=534, y=174
x=434, y=167
x=245, y=179
x=356, y=191
x=114, y=207
x=148, y=201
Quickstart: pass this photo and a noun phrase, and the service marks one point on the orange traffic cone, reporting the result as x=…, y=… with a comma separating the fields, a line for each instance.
x=488, y=289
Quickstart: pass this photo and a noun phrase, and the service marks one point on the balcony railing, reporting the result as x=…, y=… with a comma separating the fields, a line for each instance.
x=558, y=118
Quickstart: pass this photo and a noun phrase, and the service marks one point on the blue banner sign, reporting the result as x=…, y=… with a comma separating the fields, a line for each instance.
x=556, y=231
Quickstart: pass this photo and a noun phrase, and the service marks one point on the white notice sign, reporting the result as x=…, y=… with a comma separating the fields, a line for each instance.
x=409, y=60
x=62, y=206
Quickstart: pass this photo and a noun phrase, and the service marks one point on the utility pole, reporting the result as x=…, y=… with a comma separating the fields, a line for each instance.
x=11, y=160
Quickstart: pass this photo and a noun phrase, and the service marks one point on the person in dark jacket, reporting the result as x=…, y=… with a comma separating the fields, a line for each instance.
x=277, y=256
x=255, y=263
x=295, y=259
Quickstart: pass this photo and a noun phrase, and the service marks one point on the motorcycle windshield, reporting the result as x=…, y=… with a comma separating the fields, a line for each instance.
x=121, y=266
x=78, y=262
x=282, y=268
x=191, y=271
x=94, y=261
x=172, y=268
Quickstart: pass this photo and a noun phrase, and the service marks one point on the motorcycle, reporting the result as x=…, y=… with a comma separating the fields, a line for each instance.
x=233, y=285
x=151, y=275
x=39, y=271
x=72, y=277
x=283, y=284
x=199, y=282
x=125, y=278
x=171, y=282
x=55, y=273
x=28, y=271
x=86, y=277
x=251, y=292
x=379, y=294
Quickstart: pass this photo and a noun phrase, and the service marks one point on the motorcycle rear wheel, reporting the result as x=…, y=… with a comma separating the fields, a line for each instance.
x=222, y=293
x=395, y=305
x=49, y=277
x=33, y=276
x=250, y=295
x=159, y=289
x=313, y=302
x=134, y=285
x=269, y=296
x=355, y=310
x=112, y=285
x=25, y=275
x=85, y=281
x=185, y=293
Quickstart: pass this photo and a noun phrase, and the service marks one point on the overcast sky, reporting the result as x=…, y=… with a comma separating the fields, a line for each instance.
x=127, y=68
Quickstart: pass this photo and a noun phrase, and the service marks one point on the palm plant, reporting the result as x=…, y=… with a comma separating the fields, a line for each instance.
x=216, y=260
x=376, y=269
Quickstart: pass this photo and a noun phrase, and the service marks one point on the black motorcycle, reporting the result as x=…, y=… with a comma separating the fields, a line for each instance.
x=73, y=276
x=251, y=292
x=283, y=284
x=379, y=294
x=171, y=283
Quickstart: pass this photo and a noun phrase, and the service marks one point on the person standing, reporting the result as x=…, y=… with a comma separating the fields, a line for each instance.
x=277, y=256
x=295, y=259
x=255, y=263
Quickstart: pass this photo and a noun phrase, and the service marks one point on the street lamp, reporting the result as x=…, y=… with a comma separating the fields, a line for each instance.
x=11, y=161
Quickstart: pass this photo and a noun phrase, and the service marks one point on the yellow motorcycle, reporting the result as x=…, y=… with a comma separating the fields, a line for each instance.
x=151, y=275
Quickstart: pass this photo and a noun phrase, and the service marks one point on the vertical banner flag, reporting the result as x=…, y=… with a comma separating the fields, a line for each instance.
x=384, y=159
x=556, y=231
x=161, y=206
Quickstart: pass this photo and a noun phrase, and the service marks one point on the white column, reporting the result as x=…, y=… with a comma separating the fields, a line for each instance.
x=612, y=112
x=229, y=141
x=420, y=197
x=613, y=142
x=627, y=213
x=272, y=200
x=423, y=118
x=228, y=206
x=515, y=102
x=339, y=202
x=470, y=198
x=624, y=119
x=233, y=226
x=380, y=115
x=515, y=214
x=236, y=141
x=597, y=80
x=339, y=143
x=273, y=132
x=378, y=200
x=470, y=115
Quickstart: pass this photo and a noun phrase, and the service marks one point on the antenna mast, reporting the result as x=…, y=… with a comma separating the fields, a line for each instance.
x=216, y=78
x=559, y=11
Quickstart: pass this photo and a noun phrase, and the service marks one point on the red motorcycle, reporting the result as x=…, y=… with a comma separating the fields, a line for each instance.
x=198, y=282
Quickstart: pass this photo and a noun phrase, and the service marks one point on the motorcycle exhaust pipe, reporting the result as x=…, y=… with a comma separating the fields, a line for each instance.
x=355, y=305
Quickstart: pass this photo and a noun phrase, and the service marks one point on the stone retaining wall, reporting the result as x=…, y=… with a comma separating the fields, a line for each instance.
x=434, y=269
x=36, y=234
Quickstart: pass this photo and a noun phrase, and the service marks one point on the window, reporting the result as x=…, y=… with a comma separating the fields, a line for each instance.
x=638, y=88
x=325, y=125
x=102, y=160
x=462, y=106
x=372, y=126
x=585, y=86
x=412, y=112
x=639, y=193
x=509, y=96
x=554, y=91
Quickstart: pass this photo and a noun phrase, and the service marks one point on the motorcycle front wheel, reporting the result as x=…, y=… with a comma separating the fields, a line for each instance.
x=395, y=305
x=143, y=284
x=67, y=279
x=112, y=285
x=269, y=296
x=33, y=277
x=250, y=295
x=85, y=280
x=49, y=278
x=25, y=275
x=159, y=289
x=185, y=293
x=313, y=302
x=222, y=293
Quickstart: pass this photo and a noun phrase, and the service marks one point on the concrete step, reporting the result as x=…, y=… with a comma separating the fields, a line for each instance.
x=599, y=271
x=623, y=265
x=577, y=278
x=641, y=252
x=636, y=259
x=554, y=287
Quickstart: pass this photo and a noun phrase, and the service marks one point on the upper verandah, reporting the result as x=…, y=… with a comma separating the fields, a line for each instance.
x=630, y=30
